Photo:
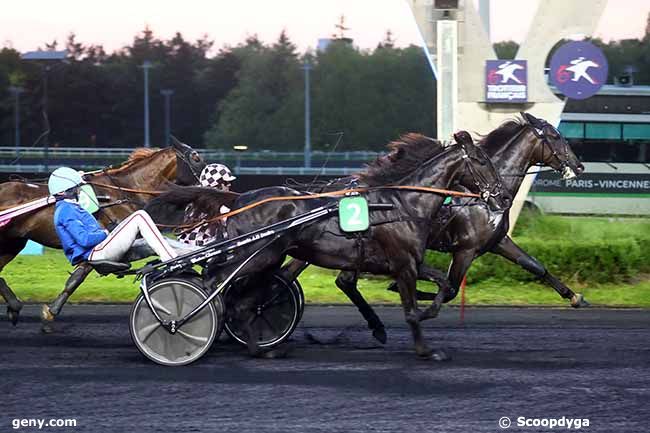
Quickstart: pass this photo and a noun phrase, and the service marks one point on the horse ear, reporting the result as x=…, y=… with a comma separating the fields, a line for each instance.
x=177, y=143
x=532, y=120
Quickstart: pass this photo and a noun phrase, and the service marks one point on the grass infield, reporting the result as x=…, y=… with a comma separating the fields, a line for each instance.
x=41, y=278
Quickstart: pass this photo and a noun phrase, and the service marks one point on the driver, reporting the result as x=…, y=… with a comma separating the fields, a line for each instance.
x=81, y=235
x=216, y=176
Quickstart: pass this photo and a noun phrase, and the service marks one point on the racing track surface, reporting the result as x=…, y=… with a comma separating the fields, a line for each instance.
x=545, y=363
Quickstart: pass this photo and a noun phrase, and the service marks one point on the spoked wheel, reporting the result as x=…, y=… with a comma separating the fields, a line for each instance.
x=269, y=308
x=174, y=298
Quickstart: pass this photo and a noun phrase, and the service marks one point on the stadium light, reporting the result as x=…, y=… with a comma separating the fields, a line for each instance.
x=240, y=148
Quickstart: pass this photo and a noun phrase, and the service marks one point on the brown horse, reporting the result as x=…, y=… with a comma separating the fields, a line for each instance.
x=126, y=188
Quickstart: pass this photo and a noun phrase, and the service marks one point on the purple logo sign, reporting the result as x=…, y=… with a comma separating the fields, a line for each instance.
x=506, y=81
x=578, y=69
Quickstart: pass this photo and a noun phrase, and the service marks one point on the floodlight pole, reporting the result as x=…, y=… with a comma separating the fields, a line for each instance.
x=46, y=119
x=45, y=56
x=16, y=92
x=307, y=67
x=167, y=93
x=145, y=67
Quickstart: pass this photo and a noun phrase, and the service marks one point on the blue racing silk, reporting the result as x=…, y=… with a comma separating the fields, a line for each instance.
x=78, y=230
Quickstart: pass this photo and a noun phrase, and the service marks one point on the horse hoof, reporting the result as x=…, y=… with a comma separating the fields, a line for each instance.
x=380, y=334
x=424, y=352
x=13, y=315
x=46, y=314
x=578, y=301
x=47, y=328
x=275, y=353
x=440, y=355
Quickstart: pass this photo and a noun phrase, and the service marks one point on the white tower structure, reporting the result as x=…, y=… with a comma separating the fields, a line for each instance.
x=459, y=46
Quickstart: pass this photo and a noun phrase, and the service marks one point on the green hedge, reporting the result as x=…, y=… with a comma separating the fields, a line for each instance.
x=586, y=261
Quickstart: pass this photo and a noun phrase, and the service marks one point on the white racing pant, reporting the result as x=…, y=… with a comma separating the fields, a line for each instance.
x=119, y=241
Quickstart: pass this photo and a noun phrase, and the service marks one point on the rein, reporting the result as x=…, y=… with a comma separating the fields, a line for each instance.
x=343, y=192
x=131, y=190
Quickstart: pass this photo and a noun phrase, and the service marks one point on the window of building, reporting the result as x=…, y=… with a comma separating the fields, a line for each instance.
x=636, y=131
x=603, y=131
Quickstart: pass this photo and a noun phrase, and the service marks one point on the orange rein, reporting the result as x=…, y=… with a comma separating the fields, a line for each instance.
x=120, y=188
x=426, y=189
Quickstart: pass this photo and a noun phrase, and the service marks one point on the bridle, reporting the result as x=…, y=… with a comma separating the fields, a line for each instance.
x=185, y=156
x=538, y=129
x=486, y=190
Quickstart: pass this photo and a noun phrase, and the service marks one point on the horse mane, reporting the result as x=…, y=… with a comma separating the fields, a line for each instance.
x=405, y=155
x=138, y=154
x=500, y=136
x=141, y=153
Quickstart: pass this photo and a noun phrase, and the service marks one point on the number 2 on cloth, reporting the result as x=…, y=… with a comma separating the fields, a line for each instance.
x=353, y=214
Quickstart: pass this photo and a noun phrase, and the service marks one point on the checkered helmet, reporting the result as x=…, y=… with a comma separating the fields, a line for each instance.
x=214, y=175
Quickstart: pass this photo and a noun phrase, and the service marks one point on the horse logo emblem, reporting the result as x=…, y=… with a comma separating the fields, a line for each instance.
x=578, y=69
x=506, y=81
x=507, y=72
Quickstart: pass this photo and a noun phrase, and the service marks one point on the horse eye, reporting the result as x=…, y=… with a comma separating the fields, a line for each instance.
x=196, y=157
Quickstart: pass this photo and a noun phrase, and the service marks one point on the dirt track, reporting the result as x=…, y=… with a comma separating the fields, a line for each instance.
x=591, y=364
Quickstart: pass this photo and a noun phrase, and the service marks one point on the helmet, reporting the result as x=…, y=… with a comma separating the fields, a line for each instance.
x=62, y=179
x=214, y=175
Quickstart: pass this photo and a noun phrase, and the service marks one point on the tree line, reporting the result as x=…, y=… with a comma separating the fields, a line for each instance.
x=250, y=94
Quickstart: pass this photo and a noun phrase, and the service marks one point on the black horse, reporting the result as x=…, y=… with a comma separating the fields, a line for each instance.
x=396, y=241
x=469, y=230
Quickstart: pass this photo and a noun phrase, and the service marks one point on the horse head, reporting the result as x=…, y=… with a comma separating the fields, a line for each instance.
x=189, y=163
x=480, y=171
x=554, y=150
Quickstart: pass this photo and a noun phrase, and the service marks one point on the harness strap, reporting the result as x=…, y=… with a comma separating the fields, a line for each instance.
x=331, y=194
x=132, y=190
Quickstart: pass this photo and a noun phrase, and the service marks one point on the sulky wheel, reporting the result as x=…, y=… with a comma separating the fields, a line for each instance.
x=269, y=307
x=301, y=297
x=218, y=300
x=173, y=299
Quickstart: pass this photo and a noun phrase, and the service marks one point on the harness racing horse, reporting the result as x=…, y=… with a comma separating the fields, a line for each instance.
x=396, y=240
x=470, y=230
x=148, y=170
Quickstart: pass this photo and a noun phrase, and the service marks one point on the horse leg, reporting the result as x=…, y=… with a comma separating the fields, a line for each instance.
x=49, y=312
x=433, y=275
x=444, y=290
x=347, y=282
x=291, y=270
x=511, y=251
x=460, y=263
x=13, y=304
x=406, y=283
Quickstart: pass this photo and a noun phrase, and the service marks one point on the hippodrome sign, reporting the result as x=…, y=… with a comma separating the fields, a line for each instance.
x=506, y=81
x=578, y=69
